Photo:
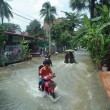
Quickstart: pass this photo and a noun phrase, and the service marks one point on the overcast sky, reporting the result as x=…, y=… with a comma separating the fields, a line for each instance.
x=31, y=8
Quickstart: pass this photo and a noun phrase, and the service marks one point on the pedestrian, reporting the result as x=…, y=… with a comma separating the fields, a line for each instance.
x=71, y=57
x=66, y=57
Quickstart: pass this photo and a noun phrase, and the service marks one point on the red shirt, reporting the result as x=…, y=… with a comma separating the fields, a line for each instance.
x=45, y=71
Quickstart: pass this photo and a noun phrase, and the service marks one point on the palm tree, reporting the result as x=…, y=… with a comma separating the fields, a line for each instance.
x=5, y=10
x=88, y=4
x=105, y=2
x=85, y=4
x=72, y=19
x=78, y=4
x=48, y=12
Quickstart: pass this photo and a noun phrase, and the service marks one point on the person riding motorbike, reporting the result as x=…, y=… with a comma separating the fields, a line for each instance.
x=45, y=70
x=48, y=59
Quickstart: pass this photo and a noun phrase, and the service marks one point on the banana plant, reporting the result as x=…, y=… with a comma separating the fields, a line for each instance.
x=94, y=38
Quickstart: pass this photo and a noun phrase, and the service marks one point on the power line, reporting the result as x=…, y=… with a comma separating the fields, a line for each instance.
x=20, y=19
x=24, y=13
x=22, y=16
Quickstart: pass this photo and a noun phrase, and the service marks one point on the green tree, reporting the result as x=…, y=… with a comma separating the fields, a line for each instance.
x=94, y=38
x=64, y=30
x=3, y=39
x=105, y=2
x=65, y=39
x=83, y=4
x=88, y=4
x=62, y=37
x=10, y=27
x=71, y=21
x=35, y=29
x=48, y=12
x=56, y=33
x=5, y=10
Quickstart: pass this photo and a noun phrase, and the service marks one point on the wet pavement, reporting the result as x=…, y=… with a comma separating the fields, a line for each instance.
x=77, y=84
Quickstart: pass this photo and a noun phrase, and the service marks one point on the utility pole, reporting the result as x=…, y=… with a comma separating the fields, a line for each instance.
x=49, y=22
x=49, y=40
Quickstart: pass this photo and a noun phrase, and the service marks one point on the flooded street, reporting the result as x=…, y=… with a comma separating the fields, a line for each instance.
x=77, y=84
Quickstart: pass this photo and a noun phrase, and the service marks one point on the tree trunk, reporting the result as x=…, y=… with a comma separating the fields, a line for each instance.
x=2, y=19
x=92, y=6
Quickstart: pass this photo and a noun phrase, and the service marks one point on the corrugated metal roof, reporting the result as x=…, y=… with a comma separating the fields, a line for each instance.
x=20, y=35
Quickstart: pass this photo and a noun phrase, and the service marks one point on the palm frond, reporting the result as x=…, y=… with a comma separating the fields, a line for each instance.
x=48, y=12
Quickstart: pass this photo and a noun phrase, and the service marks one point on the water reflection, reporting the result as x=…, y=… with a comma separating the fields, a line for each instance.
x=78, y=84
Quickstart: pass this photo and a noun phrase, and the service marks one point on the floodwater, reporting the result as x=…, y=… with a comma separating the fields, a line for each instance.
x=77, y=84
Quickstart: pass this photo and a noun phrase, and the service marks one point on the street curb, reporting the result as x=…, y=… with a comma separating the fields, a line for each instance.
x=105, y=78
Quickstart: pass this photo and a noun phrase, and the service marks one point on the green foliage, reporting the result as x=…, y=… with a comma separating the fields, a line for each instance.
x=5, y=10
x=10, y=27
x=91, y=5
x=34, y=29
x=48, y=12
x=26, y=51
x=65, y=38
x=94, y=38
x=71, y=21
x=56, y=32
x=3, y=37
x=78, y=4
x=63, y=32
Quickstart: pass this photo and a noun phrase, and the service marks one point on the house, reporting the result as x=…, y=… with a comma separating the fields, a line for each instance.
x=13, y=50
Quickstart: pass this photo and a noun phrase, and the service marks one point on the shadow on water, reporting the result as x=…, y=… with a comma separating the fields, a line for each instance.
x=77, y=84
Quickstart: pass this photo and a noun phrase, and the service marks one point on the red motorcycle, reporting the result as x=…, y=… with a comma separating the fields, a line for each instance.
x=48, y=88
x=49, y=85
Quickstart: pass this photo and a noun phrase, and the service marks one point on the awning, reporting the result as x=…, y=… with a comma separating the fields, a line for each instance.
x=42, y=44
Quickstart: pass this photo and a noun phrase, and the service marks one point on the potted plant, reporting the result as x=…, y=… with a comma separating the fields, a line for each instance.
x=105, y=67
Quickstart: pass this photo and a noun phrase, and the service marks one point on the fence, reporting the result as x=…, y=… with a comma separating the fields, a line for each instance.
x=13, y=53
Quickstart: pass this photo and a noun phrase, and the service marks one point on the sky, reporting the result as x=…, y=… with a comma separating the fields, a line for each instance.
x=30, y=9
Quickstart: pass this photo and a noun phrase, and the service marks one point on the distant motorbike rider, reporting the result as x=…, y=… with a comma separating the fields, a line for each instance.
x=45, y=70
x=47, y=58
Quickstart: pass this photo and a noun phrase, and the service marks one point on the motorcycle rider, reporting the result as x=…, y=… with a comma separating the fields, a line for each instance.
x=45, y=70
x=49, y=59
